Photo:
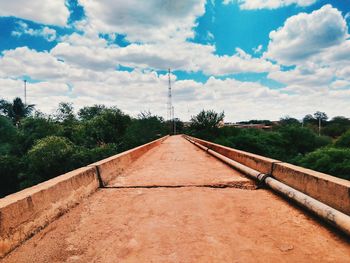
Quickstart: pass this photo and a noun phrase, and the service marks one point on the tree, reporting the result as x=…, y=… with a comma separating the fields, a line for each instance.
x=336, y=126
x=145, y=128
x=8, y=136
x=35, y=128
x=87, y=113
x=16, y=110
x=344, y=140
x=48, y=158
x=289, y=121
x=309, y=119
x=65, y=112
x=207, y=120
x=206, y=123
x=107, y=127
x=300, y=140
x=321, y=117
x=328, y=160
x=10, y=166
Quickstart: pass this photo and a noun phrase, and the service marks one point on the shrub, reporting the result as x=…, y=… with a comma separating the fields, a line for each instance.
x=334, y=161
x=48, y=158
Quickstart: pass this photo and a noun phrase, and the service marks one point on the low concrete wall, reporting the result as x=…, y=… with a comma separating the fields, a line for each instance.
x=111, y=167
x=24, y=213
x=328, y=189
x=257, y=162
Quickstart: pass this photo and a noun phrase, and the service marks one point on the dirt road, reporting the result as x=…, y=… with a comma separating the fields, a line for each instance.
x=167, y=208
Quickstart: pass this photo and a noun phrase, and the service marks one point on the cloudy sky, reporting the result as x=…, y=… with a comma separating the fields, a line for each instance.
x=254, y=59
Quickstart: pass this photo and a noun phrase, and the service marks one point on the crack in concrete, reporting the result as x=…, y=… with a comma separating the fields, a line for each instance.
x=243, y=186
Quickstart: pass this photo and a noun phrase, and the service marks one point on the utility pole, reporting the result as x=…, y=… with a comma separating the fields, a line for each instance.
x=319, y=126
x=25, y=92
x=169, y=97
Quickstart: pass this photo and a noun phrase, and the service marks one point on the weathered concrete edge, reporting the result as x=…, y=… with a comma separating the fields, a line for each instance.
x=109, y=168
x=26, y=212
x=328, y=189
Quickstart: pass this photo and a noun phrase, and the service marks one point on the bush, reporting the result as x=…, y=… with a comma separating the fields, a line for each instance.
x=8, y=136
x=142, y=130
x=107, y=127
x=33, y=129
x=84, y=156
x=344, y=140
x=48, y=158
x=10, y=167
x=332, y=161
x=268, y=144
x=300, y=140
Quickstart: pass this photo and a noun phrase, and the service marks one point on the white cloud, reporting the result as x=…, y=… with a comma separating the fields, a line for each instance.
x=305, y=35
x=269, y=4
x=258, y=49
x=317, y=44
x=307, y=76
x=177, y=55
x=52, y=12
x=48, y=33
x=146, y=21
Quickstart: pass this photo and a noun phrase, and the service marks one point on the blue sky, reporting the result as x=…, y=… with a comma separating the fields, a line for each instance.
x=250, y=58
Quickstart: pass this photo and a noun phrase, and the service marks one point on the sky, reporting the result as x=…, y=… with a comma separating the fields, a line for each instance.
x=252, y=59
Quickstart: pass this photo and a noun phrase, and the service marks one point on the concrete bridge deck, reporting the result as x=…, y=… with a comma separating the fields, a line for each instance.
x=167, y=207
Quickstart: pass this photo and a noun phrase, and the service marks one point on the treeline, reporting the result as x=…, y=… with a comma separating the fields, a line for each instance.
x=315, y=142
x=35, y=147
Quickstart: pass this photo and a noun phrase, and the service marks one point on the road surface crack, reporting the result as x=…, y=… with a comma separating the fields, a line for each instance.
x=239, y=185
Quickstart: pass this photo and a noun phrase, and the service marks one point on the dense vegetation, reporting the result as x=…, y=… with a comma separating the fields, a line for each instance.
x=302, y=143
x=35, y=147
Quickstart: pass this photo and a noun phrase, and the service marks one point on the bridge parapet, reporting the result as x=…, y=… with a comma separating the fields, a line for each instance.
x=327, y=189
x=24, y=213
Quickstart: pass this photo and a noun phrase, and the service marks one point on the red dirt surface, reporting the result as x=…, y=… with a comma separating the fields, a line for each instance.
x=193, y=222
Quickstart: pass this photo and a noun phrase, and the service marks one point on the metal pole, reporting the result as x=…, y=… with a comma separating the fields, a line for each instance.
x=25, y=92
x=174, y=124
x=319, y=126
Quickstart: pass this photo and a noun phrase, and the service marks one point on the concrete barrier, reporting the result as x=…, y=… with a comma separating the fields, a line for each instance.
x=257, y=162
x=110, y=168
x=24, y=213
x=328, y=189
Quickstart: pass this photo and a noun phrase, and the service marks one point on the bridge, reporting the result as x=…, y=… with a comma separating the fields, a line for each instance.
x=180, y=199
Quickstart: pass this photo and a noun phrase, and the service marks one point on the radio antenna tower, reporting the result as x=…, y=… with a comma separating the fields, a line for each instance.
x=170, y=105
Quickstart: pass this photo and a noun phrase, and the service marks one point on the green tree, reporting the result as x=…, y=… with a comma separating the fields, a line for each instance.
x=289, y=121
x=48, y=158
x=8, y=136
x=10, y=166
x=34, y=128
x=145, y=128
x=16, y=110
x=332, y=161
x=336, y=126
x=107, y=127
x=300, y=140
x=206, y=124
x=344, y=140
x=87, y=113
